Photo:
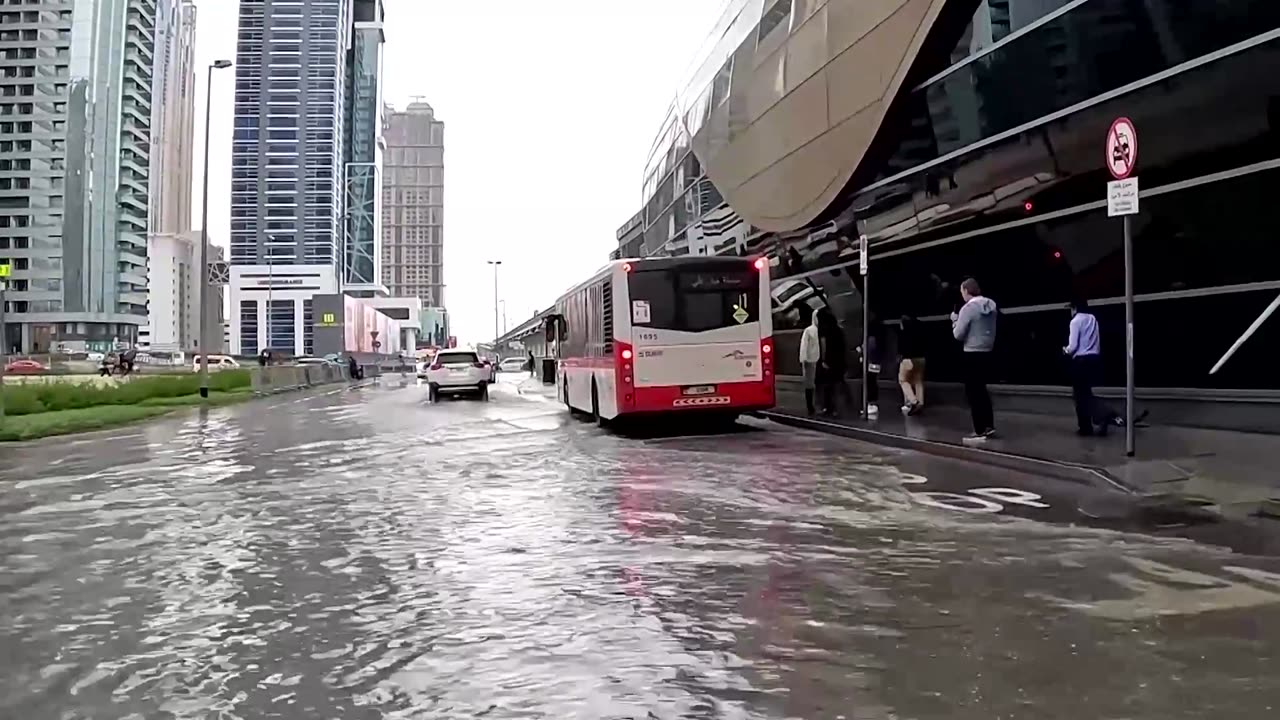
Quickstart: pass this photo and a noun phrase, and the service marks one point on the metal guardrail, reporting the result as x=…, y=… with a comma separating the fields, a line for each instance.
x=283, y=378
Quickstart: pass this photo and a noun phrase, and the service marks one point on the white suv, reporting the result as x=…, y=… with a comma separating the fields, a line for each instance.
x=457, y=371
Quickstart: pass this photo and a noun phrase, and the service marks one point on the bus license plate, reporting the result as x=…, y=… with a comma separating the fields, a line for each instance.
x=700, y=390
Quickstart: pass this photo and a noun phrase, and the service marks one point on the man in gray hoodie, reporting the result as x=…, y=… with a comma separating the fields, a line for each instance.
x=975, y=327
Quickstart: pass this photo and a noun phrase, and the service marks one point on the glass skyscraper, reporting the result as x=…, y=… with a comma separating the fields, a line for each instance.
x=75, y=133
x=287, y=150
x=362, y=263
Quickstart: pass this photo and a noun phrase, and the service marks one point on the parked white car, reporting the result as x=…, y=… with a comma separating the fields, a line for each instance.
x=216, y=362
x=458, y=371
x=513, y=365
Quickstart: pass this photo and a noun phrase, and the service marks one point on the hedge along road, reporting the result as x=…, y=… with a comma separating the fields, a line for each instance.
x=35, y=410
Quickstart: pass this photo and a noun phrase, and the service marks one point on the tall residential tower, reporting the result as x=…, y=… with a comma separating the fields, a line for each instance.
x=172, y=247
x=413, y=205
x=287, y=162
x=75, y=167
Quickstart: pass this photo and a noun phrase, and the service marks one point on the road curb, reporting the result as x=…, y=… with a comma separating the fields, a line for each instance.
x=1070, y=472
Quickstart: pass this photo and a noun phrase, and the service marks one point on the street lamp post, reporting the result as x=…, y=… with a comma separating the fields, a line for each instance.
x=271, y=282
x=202, y=325
x=495, y=264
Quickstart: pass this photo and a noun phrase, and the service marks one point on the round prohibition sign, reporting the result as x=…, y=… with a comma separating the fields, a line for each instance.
x=1122, y=148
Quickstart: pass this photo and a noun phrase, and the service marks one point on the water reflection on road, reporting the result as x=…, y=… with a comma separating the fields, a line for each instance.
x=364, y=555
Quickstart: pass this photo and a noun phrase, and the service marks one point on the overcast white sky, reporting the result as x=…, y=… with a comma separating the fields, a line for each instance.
x=550, y=109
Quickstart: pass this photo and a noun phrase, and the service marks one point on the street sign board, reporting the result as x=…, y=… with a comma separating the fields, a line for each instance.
x=1122, y=197
x=863, y=250
x=1122, y=148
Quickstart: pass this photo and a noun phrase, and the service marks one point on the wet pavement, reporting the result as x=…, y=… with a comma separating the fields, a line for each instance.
x=363, y=554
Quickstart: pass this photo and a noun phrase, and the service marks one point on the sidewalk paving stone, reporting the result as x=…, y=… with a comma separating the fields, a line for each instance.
x=1231, y=470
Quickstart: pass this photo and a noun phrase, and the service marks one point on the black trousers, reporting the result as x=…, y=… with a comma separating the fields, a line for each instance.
x=977, y=368
x=835, y=390
x=1085, y=373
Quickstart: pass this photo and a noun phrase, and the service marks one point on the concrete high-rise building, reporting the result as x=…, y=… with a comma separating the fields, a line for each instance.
x=173, y=117
x=362, y=172
x=170, y=248
x=413, y=205
x=75, y=169
x=172, y=264
x=288, y=152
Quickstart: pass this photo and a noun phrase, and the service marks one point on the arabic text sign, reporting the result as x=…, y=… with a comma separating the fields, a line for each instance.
x=1122, y=197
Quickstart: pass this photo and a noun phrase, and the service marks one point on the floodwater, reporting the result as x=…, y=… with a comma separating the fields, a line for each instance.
x=363, y=554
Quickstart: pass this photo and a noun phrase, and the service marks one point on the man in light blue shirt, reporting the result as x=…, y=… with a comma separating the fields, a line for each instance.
x=1085, y=352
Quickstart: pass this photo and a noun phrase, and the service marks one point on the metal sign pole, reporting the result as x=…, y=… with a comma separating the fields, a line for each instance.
x=1123, y=199
x=4, y=343
x=1129, y=439
x=864, y=269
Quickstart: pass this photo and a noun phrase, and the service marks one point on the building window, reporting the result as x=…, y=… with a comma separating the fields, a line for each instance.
x=248, y=327
x=308, y=329
x=777, y=15
x=280, y=326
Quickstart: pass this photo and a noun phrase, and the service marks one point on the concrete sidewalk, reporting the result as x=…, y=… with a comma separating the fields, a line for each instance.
x=1230, y=472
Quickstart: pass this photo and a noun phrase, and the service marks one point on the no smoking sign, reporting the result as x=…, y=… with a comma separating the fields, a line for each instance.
x=1122, y=148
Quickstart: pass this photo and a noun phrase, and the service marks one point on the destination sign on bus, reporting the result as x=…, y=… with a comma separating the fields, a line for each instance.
x=713, y=281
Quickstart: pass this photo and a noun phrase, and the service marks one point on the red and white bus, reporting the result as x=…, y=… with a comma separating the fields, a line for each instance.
x=664, y=335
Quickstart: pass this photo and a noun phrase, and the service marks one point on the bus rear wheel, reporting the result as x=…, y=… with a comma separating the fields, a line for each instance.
x=595, y=406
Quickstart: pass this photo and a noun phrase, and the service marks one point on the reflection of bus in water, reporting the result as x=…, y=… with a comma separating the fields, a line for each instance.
x=660, y=335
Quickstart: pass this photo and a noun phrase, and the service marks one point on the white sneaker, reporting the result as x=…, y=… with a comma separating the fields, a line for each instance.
x=974, y=440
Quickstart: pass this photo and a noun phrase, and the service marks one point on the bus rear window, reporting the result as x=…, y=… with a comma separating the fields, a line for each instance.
x=697, y=300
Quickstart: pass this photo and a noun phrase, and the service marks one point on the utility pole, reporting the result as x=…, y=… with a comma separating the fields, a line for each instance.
x=495, y=264
x=4, y=336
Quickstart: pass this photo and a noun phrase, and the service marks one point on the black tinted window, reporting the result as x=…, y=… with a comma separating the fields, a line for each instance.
x=696, y=300
x=455, y=358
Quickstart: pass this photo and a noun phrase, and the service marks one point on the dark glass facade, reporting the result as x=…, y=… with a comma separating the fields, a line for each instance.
x=994, y=169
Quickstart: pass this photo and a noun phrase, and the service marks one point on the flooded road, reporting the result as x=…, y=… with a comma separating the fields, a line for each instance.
x=363, y=554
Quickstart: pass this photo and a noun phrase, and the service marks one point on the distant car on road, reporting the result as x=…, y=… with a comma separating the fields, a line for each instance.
x=216, y=362
x=458, y=371
x=25, y=367
x=513, y=365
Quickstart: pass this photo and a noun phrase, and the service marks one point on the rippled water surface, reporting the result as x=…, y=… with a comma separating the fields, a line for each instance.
x=365, y=555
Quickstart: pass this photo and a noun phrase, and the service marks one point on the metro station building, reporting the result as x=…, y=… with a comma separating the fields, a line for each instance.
x=965, y=138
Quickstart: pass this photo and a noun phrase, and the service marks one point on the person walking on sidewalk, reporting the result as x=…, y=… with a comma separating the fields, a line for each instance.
x=833, y=363
x=911, y=366
x=1084, y=350
x=810, y=354
x=975, y=327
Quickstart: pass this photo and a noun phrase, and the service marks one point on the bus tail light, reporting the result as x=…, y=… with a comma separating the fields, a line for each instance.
x=625, y=355
x=626, y=375
x=766, y=354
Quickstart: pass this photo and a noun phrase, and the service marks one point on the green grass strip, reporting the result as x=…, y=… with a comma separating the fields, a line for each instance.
x=66, y=422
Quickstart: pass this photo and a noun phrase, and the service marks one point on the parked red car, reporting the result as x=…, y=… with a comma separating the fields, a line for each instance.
x=25, y=367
